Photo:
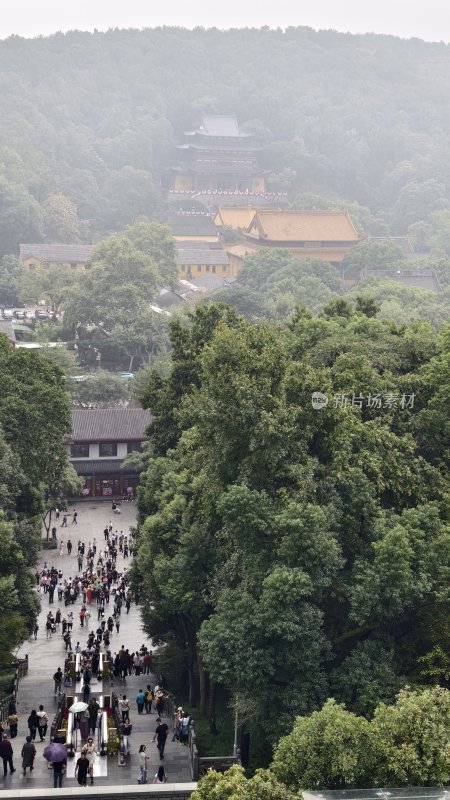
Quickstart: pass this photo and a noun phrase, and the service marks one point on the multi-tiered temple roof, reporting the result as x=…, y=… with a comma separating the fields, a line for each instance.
x=216, y=158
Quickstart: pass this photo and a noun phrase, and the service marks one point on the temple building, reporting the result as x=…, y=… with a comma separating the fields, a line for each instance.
x=328, y=235
x=216, y=158
x=41, y=257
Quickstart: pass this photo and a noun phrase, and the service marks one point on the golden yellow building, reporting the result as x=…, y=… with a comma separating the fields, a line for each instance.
x=193, y=262
x=41, y=257
x=234, y=217
x=328, y=235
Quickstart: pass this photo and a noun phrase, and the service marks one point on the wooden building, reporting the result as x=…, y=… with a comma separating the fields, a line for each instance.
x=216, y=157
x=100, y=440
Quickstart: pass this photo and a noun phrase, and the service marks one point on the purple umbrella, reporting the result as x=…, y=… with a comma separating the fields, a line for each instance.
x=55, y=752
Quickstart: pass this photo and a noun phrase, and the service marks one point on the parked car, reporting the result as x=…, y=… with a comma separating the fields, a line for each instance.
x=8, y=313
x=19, y=314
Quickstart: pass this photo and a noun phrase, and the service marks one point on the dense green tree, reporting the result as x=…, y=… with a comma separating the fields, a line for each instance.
x=371, y=255
x=34, y=411
x=101, y=389
x=19, y=216
x=233, y=785
x=331, y=748
x=405, y=744
x=10, y=273
x=319, y=529
x=60, y=219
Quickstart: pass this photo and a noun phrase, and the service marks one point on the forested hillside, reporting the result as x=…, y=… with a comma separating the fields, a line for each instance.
x=93, y=117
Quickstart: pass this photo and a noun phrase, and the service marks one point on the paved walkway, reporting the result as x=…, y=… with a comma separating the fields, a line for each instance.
x=46, y=655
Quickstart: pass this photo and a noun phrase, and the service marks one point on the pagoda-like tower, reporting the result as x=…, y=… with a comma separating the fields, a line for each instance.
x=216, y=158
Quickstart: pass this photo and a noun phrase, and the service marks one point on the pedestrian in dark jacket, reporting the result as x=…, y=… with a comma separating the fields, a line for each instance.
x=33, y=724
x=6, y=754
x=28, y=754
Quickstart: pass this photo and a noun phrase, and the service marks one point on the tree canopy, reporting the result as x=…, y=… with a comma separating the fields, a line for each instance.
x=294, y=553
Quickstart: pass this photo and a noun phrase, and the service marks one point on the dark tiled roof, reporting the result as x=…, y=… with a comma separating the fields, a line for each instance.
x=104, y=466
x=210, y=281
x=71, y=253
x=190, y=256
x=192, y=225
x=193, y=244
x=404, y=242
x=109, y=424
x=167, y=298
x=420, y=279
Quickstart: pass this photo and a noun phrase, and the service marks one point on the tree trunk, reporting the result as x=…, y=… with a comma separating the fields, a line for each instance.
x=192, y=697
x=212, y=708
x=202, y=679
x=44, y=520
x=131, y=364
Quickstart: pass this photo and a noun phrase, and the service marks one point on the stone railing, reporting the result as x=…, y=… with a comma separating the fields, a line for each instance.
x=20, y=669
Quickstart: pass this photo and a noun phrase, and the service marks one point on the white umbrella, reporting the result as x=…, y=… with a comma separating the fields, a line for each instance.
x=78, y=706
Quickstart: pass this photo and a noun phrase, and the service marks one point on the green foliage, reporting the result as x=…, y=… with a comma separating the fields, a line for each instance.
x=331, y=748
x=10, y=273
x=34, y=416
x=110, y=303
x=33, y=411
x=19, y=216
x=273, y=282
x=387, y=148
x=233, y=785
x=60, y=220
x=321, y=537
x=101, y=389
x=371, y=255
x=405, y=744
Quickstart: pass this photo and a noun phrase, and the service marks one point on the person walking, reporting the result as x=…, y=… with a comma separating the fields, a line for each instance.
x=159, y=703
x=58, y=679
x=6, y=754
x=160, y=776
x=13, y=721
x=140, y=701
x=43, y=723
x=64, y=522
x=185, y=723
x=124, y=707
x=127, y=728
x=143, y=764
x=81, y=769
x=148, y=699
x=74, y=517
x=161, y=736
x=93, y=715
x=28, y=753
x=59, y=768
x=89, y=750
x=69, y=547
x=35, y=630
x=33, y=724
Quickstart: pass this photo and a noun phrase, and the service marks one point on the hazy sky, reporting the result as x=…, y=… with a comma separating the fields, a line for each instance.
x=428, y=20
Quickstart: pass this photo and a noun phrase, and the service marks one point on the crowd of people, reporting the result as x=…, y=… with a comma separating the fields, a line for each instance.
x=103, y=594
